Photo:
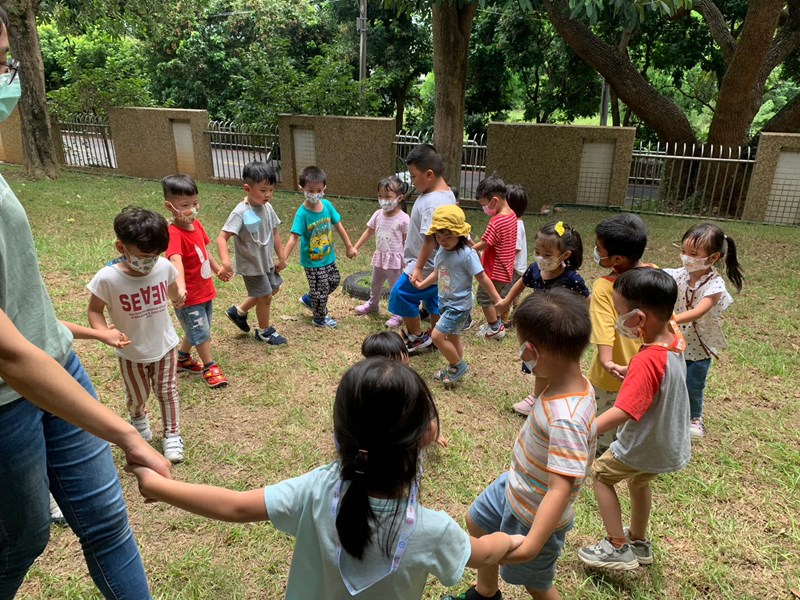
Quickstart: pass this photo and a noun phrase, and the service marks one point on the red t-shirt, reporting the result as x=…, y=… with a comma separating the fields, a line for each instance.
x=191, y=245
x=501, y=247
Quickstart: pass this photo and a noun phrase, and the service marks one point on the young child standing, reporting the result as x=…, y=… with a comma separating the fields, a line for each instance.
x=702, y=298
x=517, y=199
x=498, y=247
x=188, y=252
x=313, y=227
x=558, y=256
x=360, y=527
x=253, y=225
x=389, y=225
x=551, y=454
x=454, y=267
x=134, y=288
x=426, y=167
x=620, y=242
x=651, y=416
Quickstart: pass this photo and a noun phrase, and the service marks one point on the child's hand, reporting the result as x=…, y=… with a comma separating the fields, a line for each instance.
x=617, y=371
x=225, y=272
x=352, y=252
x=145, y=477
x=502, y=306
x=416, y=276
x=180, y=301
x=513, y=554
x=112, y=337
x=280, y=264
x=442, y=442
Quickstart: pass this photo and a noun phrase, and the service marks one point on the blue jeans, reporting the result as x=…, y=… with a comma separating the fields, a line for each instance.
x=696, y=373
x=40, y=452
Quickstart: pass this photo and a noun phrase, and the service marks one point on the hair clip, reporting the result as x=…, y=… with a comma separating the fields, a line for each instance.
x=559, y=227
x=361, y=461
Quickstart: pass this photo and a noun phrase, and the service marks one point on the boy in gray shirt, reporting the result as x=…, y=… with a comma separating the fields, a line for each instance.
x=651, y=413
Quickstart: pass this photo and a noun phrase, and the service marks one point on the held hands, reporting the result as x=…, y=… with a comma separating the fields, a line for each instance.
x=180, y=301
x=502, y=306
x=516, y=553
x=416, y=276
x=617, y=371
x=352, y=252
x=280, y=264
x=140, y=454
x=225, y=272
x=113, y=337
x=146, y=477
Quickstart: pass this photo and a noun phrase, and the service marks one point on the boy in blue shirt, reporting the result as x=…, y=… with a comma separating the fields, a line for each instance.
x=313, y=226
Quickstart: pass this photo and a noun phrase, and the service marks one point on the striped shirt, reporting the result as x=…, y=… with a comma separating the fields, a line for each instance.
x=501, y=248
x=559, y=437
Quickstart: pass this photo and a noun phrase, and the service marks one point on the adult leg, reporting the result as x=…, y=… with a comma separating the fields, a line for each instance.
x=84, y=482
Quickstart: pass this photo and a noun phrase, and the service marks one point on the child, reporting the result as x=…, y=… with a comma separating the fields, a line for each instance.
x=313, y=226
x=426, y=167
x=651, y=414
x=702, y=298
x=551, y=454
x=188, y=252
x=620, y=242
x=360, y=528
x=385, y=343
x=455, y=266
x=517, y=199
x=134, y=289
x=389, y=225
x=253, y=225
x=498, y=248
x=558, y=256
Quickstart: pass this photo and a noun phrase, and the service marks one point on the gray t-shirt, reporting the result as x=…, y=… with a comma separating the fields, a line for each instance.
x=421, y=217
x=252, y=250
x=456, y=270
x=23, y=296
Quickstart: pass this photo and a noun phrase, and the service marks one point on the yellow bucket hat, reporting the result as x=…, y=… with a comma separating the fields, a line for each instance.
x=451, y=218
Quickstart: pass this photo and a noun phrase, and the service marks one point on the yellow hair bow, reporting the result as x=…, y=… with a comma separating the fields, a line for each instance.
x=560, y=228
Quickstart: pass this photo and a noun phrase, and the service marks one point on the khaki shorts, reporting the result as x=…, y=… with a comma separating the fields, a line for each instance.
x=610, y=471
x=483, y=298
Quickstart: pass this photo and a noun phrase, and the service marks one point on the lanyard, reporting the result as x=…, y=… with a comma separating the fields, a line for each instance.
x=690, y=305
x=406, y=529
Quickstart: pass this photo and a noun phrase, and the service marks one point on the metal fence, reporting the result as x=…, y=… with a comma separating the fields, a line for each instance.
x=233, y=145
x=473, y=158
x=688, y=179
x=87, y=142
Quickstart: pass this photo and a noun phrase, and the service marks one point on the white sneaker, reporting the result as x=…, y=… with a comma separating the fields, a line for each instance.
x=56, y=516
x=487, y=333
x=142, y=425
x=525, y=406
x=696, y=428
x=173, y=449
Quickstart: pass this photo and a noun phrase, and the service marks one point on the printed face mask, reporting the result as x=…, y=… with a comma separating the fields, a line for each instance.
x=313, y=198
x=387, y=205
x=187, y=215
x=529, y=364
x=691, y=263
x=548, y=264
x=141, y=265
x=9, y=94
x=633, y=333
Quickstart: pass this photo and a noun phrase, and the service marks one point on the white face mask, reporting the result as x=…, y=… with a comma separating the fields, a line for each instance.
x=692, y=264
x=633, y=333
x=529, y=364
x=597, y=257
x=141, y=265
x=548, y=264
x=312, y=198
x=387, y=205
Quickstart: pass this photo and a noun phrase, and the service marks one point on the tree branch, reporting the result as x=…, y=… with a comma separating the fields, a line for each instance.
x=787, y=119
x=718, y=28
x=787, y=40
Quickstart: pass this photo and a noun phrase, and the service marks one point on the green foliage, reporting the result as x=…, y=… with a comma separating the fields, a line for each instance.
x=632, y=12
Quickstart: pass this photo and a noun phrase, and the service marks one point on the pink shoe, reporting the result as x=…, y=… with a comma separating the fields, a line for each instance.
x=366, y=308
x=394, y=321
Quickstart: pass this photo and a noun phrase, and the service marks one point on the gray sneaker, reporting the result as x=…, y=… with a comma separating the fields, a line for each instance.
x=642, y=550
x=603, y=555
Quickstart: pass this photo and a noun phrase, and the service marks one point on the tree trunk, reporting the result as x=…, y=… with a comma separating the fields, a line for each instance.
x=37, y=137
x=401, y=110
x=624, y=40
x=452, y=25
x=657, y=111
x=787, y=119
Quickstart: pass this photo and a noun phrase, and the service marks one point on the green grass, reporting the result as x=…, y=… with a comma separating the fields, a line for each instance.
x=725, y=527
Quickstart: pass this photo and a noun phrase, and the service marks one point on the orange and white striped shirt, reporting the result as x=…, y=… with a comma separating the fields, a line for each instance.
x=559, y=436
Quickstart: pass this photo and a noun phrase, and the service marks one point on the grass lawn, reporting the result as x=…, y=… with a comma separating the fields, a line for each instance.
x=728, y=526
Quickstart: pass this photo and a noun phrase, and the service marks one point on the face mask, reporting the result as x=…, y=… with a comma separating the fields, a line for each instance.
x=597, y=257
x=490, y=212
x=529, y=364
x=9, y=95
x=387, y=205
x=692, y=264
x=548, y=264
x=313, y=198
x=188, y=215
x=141, y=265
x=251, y=221
x=633, y=333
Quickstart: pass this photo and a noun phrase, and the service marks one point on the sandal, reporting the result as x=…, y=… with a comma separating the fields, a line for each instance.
x=452, y=373
x=214, y=377
x=190, y=365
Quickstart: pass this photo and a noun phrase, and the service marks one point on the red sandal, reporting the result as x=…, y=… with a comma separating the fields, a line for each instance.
x=190, y=365
x=214, y=377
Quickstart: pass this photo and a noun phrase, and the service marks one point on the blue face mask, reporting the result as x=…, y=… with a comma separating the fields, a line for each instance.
x=251, y=221
x=9, y=94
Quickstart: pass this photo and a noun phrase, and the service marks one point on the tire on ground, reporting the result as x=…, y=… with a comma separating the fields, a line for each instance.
x=353, y=286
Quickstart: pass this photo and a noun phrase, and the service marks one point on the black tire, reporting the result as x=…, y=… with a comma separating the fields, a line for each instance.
x=353, y=286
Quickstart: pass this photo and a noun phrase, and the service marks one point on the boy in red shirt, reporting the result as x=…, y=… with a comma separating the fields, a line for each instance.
x=498, y=248
x=188, y=251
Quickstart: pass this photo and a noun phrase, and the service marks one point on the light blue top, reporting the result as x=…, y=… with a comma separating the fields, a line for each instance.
x=302, y=507
x=316, y=235
x=456, y=270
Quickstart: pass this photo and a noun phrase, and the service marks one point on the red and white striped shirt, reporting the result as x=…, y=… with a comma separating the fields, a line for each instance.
x=501, y=248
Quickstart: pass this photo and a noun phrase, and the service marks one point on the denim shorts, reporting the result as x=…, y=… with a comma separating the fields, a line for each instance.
x=258, y=286
x=490, y=512
x=196, y=322
x=405, y=298
x=452, y=321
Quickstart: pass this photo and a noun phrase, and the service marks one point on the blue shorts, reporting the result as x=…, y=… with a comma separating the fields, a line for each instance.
x=490, y=512
x=452, y=321
x=196, y=322
x=405, y=299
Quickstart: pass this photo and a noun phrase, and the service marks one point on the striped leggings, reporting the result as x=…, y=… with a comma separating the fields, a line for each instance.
x=161, y=376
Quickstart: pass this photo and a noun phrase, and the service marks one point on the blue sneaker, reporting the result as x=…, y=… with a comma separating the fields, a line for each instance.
x=325, y=321
x=305, y=300
x=238, y=320
x=270, y=336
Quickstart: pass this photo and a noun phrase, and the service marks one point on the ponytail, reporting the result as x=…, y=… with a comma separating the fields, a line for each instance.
x=732, y=267
x=355, y=518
